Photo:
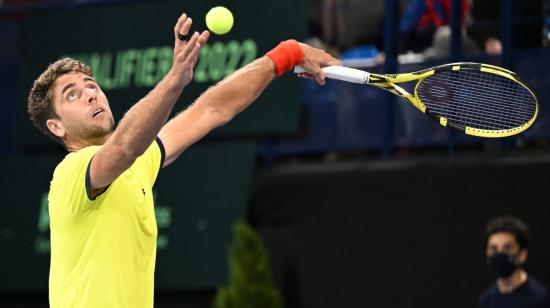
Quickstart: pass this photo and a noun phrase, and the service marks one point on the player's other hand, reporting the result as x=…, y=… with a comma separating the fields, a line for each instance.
x=186, y=50
x=314, y=60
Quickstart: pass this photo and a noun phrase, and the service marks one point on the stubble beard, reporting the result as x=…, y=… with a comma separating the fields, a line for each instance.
x=97, y=135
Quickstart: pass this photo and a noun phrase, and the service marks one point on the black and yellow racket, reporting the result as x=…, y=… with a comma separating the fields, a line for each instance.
x=477, y=99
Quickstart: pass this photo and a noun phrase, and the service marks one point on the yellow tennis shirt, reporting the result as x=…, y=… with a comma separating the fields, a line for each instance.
x=103, y=251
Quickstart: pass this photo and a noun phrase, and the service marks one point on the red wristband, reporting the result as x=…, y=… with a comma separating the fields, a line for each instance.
x=285, y=56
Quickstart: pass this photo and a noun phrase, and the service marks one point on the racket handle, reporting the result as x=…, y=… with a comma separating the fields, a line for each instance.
x=341, y=73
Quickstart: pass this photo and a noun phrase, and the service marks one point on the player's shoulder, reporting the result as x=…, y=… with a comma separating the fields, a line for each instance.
x=154, y=151
x=74, y=161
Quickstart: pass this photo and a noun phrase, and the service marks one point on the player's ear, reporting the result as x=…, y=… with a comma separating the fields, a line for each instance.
x=56, y=127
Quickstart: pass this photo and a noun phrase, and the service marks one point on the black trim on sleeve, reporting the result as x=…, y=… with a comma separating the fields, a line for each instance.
x=162, y=153
x=89, y=186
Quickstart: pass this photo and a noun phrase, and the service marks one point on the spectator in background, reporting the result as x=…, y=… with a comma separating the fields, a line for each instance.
x=507, y=241
x=420, y=21
x=348, y=23
x=425, y=28
x=484, y=24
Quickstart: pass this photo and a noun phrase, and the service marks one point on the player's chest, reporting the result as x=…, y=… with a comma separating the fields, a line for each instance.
x=133, y=198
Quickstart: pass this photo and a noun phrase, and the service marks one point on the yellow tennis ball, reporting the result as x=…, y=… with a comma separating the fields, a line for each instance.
x=219, y=20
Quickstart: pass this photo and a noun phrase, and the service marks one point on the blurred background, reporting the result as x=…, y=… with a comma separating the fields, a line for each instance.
x=359, y=199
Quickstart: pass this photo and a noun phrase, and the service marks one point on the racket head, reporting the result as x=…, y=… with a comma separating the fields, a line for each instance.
x=478, y=99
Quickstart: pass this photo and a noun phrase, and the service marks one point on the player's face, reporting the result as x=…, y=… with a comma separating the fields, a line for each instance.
x=82, y=108
x=505, y=242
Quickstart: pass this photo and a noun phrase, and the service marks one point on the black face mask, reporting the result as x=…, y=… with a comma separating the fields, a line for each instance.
x=502, y=265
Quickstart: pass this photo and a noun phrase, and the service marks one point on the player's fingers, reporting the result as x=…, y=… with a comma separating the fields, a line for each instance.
x=180, y=22
x=319, y=76
x=179, y=25
x=204, y=37
x=186, y=26
x=334, y=62
x=194, y=55
x=191, y=45
x=184, y=30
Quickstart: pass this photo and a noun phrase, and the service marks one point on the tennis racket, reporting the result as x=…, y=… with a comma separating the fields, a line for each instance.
x=477, y=99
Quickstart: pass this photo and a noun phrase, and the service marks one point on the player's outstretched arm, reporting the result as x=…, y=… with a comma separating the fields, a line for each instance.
x=141, y=124
x=220, y=103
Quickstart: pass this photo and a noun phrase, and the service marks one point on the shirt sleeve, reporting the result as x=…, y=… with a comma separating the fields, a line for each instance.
x=68, y=187
x=151, y=161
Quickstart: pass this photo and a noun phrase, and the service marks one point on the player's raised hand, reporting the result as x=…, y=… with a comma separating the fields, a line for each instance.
x=186, y=49
x=314, y=60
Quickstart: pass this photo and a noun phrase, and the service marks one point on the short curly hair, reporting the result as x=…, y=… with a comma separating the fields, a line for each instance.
x=40, y=104
x=509, y=224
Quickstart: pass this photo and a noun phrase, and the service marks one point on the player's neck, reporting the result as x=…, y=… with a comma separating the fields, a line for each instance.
x=76, y=145
x=508, y=285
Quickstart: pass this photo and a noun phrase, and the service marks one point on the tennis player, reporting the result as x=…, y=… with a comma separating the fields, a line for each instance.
x=102, y=219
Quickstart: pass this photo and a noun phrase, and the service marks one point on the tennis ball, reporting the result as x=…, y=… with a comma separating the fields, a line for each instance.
x=219, y=20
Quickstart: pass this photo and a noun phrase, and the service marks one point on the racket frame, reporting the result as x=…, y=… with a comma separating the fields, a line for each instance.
x=389, y=83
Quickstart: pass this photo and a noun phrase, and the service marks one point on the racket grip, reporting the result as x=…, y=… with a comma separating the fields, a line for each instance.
x=341, y=73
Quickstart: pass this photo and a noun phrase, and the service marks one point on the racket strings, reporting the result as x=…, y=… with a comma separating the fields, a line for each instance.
x=505, y=93
x=478, y=99
x=490, y=112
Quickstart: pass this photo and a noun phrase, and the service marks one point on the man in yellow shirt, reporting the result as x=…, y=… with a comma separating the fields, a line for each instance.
x=103, y=228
